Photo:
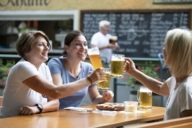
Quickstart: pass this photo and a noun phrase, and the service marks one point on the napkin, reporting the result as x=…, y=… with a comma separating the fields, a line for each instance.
x=79, y=109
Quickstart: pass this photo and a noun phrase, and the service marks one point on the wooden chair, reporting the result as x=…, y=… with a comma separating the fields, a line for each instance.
x=186, y=113
x=1, y=101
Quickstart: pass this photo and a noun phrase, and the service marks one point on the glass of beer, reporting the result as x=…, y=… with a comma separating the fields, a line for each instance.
x=113, y=39
x=144, y=96
x=105, y=84
x=117, y=65
x=95, y=58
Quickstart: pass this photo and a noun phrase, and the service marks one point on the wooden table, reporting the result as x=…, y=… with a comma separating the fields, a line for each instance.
x=74, y=119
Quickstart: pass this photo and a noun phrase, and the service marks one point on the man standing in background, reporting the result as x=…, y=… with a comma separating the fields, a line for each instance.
x=104, y=41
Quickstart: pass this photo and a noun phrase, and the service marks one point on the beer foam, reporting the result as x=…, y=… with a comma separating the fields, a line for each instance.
x=118, y=58
x=144, y=89
x=113, y=37
x=93, y=53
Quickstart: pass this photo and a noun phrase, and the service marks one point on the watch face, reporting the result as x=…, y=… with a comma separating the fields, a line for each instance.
x=40, y=107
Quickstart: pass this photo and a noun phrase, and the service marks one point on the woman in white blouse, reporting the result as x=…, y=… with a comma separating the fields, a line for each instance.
x=29, y=81
x=178, y=57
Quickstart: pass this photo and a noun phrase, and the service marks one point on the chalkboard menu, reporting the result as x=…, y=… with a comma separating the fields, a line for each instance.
x=140, y=33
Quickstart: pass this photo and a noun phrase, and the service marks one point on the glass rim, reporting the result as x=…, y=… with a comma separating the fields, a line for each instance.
x=93, y=51
x=130, y=102
x=144, y=89
x=118, y=57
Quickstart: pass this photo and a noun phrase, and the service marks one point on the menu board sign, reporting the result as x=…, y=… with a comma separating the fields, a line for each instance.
x=140, y=33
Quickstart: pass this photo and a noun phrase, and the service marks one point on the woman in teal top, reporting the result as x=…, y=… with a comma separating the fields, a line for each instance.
x=73, y=68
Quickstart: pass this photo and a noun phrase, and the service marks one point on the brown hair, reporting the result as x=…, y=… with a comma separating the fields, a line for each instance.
x=70, y=37
x=24, y=42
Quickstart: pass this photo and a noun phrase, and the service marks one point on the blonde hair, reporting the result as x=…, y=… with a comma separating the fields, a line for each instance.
x=25, y=41
x=178, y=50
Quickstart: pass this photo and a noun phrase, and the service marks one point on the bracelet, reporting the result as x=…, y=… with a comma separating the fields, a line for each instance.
x=89, y=79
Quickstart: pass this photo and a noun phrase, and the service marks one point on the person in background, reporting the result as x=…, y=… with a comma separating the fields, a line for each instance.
x=29, y=80
x=101, y=40
x=178, y=57
x=72, y=68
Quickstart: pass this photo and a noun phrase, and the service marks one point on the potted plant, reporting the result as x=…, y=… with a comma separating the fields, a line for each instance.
x=4, y=69
x=149, y=68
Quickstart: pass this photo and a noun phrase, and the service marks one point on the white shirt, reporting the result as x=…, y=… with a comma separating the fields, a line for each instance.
x=100, y=40
x=180, y=99
x=16, y=93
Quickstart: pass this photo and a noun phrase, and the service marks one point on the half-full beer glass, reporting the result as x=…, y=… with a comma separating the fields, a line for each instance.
x=105, y=84
x=95, y=58
x=117, y=65
x=144, y=96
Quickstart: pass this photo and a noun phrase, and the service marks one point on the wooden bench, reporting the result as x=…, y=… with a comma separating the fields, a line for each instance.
x=176, y=123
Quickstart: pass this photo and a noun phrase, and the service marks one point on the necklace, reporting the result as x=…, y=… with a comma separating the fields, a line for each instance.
x=76, y=72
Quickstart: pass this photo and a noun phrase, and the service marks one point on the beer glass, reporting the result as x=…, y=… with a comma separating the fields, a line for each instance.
x=144, y=96
x=95, y=58
x=105, y=84
x=117, y=65
x=113, y=39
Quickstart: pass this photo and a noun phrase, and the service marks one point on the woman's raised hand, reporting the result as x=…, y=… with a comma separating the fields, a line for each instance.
x=98, y=74
x=130, y=66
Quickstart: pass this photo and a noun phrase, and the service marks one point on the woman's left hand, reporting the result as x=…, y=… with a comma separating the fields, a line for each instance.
x=108, y=95
x=28, y=110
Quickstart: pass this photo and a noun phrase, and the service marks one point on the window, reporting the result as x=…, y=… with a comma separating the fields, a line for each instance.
x=54, y=23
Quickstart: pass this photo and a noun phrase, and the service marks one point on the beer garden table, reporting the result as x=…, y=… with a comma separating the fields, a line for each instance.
x=76, y=119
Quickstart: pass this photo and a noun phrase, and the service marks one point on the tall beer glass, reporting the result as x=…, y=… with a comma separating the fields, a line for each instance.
x=95, y=58
x=117, y=65
x=144, y=96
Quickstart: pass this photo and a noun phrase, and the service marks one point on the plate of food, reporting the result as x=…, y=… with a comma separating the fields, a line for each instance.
x=111, y=106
